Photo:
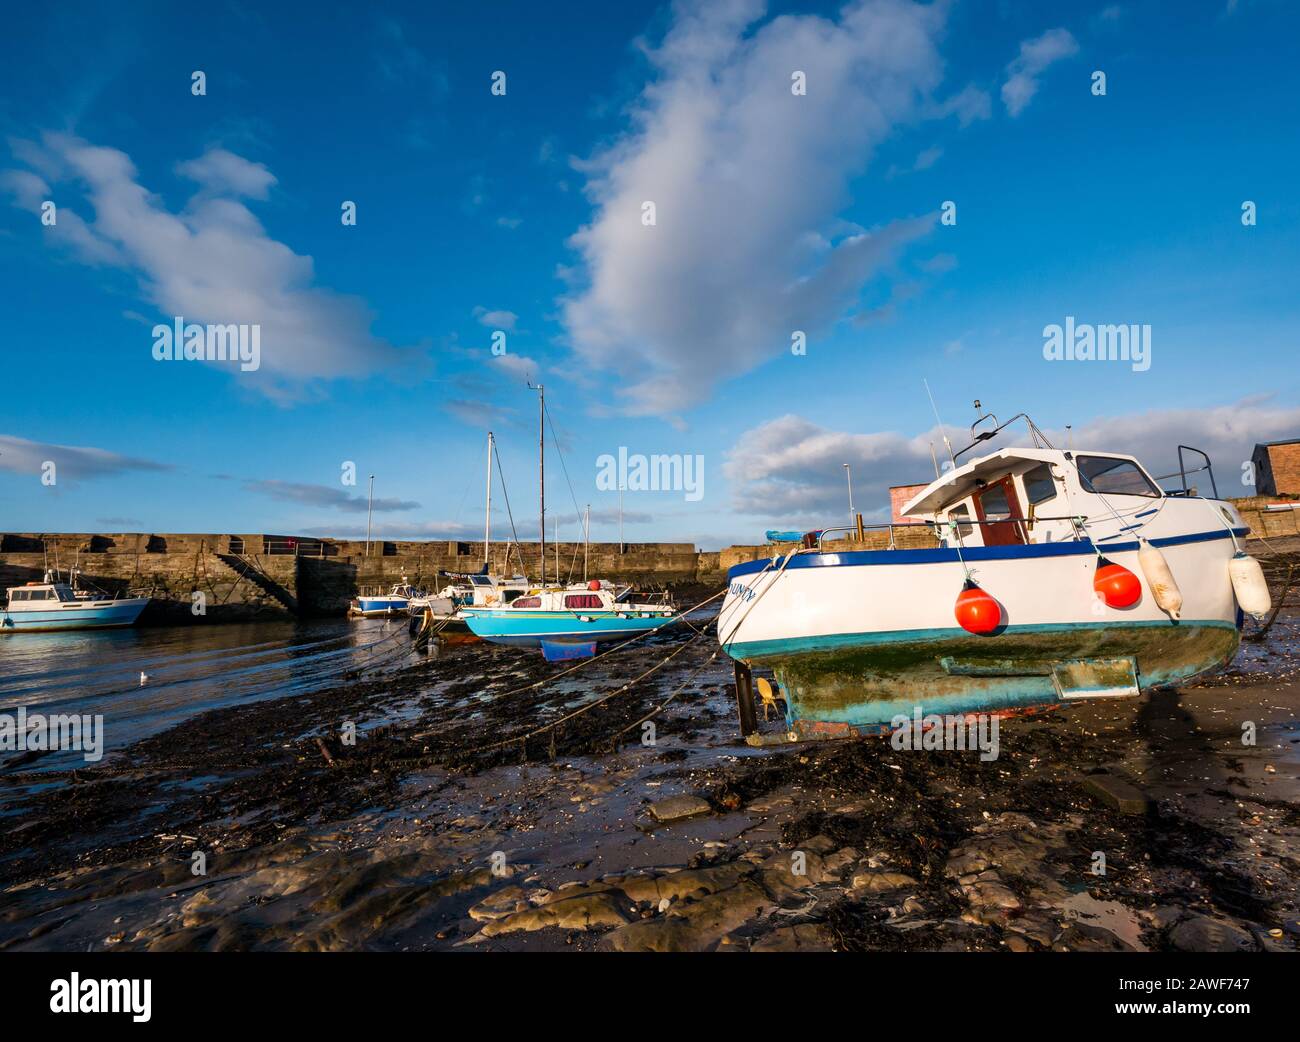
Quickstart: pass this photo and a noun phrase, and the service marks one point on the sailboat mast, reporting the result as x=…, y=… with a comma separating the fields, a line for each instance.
x=487, y=522
x=586, y=540
x=541, y=475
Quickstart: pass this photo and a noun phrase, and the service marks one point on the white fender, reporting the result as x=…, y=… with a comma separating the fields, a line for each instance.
x=1160, y=579
x=1249, y=585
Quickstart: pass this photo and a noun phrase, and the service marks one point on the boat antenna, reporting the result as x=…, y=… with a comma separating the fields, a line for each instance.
x=935, y=460
x=942, y=429
x=541, y=472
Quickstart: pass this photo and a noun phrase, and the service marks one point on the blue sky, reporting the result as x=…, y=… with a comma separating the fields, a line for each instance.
x=523, y=213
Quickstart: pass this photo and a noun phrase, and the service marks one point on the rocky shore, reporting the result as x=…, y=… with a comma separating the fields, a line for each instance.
x=1142, y=825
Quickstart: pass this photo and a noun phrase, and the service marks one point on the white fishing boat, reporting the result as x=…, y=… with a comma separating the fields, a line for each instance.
x=1050, y=575
x=52, y=605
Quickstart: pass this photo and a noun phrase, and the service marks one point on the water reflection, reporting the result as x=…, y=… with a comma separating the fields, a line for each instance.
x=190, y=670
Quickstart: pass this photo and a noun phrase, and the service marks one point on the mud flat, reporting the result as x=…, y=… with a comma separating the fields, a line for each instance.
x=427, y=833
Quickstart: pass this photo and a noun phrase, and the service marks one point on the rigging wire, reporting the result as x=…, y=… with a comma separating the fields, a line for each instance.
x=514, y=535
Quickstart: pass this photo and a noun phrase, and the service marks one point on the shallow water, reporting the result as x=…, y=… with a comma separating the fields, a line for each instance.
x=190, y=669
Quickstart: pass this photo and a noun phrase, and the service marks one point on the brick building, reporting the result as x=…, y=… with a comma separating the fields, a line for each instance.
x=898, y=496
x=1277, y=468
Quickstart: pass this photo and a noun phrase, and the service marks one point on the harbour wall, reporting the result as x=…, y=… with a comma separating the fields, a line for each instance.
x=216, y=577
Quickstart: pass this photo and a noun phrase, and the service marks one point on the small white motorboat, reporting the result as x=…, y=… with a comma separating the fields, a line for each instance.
x=1049, y=575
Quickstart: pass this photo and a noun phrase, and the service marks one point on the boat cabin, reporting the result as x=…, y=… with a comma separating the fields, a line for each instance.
x=37, y=596
x=1038, y=495
x=594, y=596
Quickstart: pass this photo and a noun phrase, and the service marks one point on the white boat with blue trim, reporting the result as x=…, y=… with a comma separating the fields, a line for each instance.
x=396, y=601
x=39, y=607
x=1052, y=575
x=567, y=621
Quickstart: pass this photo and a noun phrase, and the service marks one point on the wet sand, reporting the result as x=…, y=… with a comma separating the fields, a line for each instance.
x=410, y=839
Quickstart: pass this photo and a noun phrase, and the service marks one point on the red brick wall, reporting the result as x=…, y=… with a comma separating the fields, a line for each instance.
x=1285, y=460
x=898, y=496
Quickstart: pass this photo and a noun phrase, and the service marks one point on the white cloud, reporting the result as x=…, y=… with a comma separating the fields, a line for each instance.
x=500, y=319
x=789, y=471
x=520, y=367
x=212, y=261
x=1228, y=433
x=1034, y=57
x=747, y=180
x=326, y=496
x=76, y=462
x=968, y=105
x=224, y=172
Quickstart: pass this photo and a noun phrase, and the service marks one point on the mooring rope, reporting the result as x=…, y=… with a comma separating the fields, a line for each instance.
x=679, y=617
x=542, y=729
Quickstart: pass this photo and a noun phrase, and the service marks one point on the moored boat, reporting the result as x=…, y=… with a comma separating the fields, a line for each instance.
x=395, y=602
x=566, y=621
x=38, y=607
x=1041, y=576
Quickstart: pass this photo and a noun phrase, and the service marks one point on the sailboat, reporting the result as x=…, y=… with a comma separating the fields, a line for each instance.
x=565, y=620
x=441, y=611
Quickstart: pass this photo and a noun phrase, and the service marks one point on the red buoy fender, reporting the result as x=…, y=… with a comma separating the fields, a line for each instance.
x=1118, y=587
x=976, y=611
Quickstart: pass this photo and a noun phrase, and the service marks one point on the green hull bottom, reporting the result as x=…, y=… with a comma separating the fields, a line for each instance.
x=862, y=682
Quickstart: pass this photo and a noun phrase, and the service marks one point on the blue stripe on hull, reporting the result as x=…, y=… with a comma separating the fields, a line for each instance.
x=758, y=649
x=939, y=554
x=74, y=619
x=529, y=630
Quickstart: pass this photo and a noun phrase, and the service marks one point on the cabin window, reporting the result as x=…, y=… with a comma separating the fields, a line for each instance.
x=1039, y=486
x=42, y=595
x=511, y=596
x=1114, y=477
x=527, y=602
x=582, y=600
x=20, y=595
x=961, y=514
x=994, y=501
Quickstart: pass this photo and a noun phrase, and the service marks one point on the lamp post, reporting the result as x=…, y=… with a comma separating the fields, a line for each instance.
x=370, y=505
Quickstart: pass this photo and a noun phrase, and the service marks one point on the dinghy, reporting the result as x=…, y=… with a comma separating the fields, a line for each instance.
x=1042, y=576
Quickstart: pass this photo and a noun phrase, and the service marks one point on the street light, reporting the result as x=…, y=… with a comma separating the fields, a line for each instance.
x=370, y=504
